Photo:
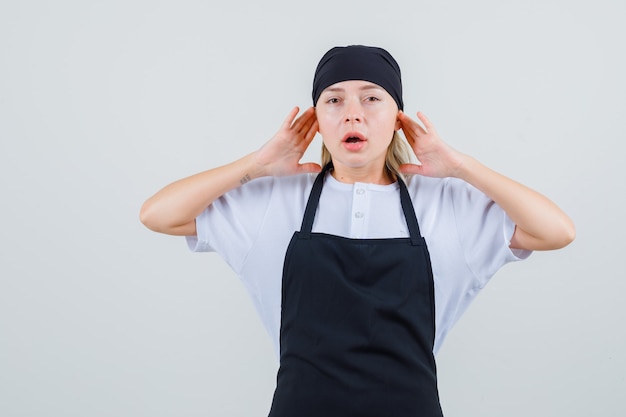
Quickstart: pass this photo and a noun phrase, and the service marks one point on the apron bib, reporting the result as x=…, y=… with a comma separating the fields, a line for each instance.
x=357, y=324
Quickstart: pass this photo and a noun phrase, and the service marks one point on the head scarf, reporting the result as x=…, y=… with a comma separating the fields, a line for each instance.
x=358, y=62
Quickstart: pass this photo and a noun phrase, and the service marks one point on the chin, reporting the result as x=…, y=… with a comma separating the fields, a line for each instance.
x=355, y=162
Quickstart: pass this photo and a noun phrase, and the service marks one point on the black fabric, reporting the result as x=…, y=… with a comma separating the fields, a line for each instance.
x=357, y=324
x=358, y=62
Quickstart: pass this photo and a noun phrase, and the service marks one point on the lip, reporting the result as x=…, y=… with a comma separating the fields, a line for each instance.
x=353, y=135
x=353, y=146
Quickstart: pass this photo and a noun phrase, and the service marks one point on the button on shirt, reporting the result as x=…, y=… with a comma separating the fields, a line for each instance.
x=365, y=203
x=359, y=208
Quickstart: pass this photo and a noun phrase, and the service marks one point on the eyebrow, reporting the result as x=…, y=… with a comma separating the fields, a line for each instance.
x=362, y=88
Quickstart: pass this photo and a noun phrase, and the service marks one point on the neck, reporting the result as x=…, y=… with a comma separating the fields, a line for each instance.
x=350, y=175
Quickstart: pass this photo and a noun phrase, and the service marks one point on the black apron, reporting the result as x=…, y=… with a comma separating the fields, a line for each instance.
x=357, y=324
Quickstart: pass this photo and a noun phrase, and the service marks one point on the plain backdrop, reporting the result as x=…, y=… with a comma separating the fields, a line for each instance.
x=104, y=102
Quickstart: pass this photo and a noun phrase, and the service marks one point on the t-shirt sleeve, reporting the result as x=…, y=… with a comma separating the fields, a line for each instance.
x=484, y=230
x=230, y=225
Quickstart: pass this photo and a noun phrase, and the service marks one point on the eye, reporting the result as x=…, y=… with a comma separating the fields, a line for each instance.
x=332, y=100
x=372, y=99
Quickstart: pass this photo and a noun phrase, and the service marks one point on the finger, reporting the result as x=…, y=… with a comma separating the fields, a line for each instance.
x=305, y=121
x=427, y=123
x=310, y=134
x=409, y=137
x=411, y=169
x=290, y=117
x=302, y=118
x=411, y=125
x=309, y=167
x=409, y=134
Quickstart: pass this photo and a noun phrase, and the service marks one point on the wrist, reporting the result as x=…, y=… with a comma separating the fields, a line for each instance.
x=465, y=167
x=245, y=170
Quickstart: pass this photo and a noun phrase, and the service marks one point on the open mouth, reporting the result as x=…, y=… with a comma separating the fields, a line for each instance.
x=354, y=139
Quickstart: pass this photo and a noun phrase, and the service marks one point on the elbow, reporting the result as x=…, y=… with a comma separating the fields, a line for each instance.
x=148, y=217
x=569, y=234
x=554, y=236
x=157, y=218
x=564, y=236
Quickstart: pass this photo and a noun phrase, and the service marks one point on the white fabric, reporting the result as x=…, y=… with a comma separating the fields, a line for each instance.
x=467, y=234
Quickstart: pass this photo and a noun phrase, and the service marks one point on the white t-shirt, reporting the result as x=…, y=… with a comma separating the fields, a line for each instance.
x=467, y=234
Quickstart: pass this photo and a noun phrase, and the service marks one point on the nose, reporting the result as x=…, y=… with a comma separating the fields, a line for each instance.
x=353, y=118
x=353, y=112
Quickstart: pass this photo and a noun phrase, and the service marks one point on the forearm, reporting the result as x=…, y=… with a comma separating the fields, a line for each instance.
x=173, y=209
x=541, y=224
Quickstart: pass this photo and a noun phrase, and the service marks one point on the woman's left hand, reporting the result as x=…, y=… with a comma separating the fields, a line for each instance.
x=437, y=159
x=540, y=224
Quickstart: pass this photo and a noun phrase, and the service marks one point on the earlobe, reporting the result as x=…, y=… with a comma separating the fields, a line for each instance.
x=398, y=124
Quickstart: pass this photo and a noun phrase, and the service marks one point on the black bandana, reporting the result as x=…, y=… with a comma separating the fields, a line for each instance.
x=358, y=62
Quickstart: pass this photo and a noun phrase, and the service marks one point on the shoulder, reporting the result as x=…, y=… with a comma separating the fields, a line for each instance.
x=427, y=190
x=267, y=187
x=301, y=181
x=293, y=186
x=443, y=190
x=453, y=208
x=291, y=182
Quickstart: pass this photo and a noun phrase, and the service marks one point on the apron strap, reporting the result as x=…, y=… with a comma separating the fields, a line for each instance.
x=316, y=192
x=311, y=205
x=409, y=214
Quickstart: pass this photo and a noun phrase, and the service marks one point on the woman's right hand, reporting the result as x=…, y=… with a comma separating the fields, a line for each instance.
x=173, y=209
x=281, y=155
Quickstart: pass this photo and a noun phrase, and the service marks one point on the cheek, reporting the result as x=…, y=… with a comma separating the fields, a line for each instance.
x=391, y=121
x=323, y=123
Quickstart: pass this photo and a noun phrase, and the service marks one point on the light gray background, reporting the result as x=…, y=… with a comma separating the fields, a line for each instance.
x=103, y=103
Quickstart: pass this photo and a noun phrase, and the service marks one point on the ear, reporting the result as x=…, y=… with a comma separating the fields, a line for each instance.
x=398, y=124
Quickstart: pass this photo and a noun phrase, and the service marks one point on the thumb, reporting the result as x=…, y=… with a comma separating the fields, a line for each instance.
x=412, y=169
x=309, y=167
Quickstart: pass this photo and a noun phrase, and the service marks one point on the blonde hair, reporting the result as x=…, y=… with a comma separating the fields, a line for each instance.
x=399, y=152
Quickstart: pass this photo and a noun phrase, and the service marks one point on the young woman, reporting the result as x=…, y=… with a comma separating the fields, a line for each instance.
x=358, y=267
